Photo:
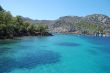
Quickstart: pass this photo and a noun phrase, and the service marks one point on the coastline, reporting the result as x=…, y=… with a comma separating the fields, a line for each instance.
x=77, y=33
x=17, y=36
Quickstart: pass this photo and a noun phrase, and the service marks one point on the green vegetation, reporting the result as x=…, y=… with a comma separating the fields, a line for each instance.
x=89, y=28
x=11, y=27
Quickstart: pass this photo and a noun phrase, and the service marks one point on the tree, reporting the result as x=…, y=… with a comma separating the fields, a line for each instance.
x=15, y=26
x=19, y=20
x=18, y=23
x=7, y=18
x=1, y=9
x=41, y=28
x=1, y=17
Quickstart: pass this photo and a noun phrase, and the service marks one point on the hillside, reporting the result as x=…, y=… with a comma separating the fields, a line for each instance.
x=91, y=24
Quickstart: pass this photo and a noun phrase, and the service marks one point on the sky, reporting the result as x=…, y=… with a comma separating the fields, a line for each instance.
x=53, y=9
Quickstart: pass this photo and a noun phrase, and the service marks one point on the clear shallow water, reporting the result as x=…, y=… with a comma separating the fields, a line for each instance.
x=55, y=54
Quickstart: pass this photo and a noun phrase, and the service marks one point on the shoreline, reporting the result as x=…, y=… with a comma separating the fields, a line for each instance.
x=104, y=35
x=51, y=34
x=19, y=36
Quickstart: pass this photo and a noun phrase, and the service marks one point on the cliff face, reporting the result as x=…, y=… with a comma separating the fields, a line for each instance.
x=75, y=23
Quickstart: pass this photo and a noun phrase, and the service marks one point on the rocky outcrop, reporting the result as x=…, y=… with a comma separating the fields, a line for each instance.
x=98, y=19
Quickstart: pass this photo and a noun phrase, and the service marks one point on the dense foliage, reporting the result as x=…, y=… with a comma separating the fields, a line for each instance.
x=15, y=26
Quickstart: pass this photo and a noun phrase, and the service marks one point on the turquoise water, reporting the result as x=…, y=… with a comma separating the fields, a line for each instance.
x=55, y=54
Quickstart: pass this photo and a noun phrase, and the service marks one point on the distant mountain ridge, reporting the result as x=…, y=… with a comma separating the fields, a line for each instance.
x=70, y=23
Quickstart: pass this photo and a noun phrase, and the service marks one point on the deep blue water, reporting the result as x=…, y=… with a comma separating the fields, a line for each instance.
x=61, y=53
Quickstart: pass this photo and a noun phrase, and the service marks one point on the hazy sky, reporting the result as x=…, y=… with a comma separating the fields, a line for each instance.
x=53, y=9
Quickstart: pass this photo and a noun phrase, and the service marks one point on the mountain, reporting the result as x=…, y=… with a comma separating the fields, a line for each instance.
x=91, y=24
x=47, y=22
x=98, y=19
x=66, y=24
